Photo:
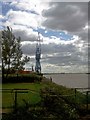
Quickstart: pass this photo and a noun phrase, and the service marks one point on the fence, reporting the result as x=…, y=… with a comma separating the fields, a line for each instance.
x=86, y=92
x=13, y=97
x=15, y=94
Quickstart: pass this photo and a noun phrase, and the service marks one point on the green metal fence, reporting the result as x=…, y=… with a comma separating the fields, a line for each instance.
x=16, y=96
x=86, y=93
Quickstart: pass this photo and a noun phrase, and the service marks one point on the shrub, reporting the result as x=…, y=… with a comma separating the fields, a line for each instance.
x=19, y=78
x=57, y=106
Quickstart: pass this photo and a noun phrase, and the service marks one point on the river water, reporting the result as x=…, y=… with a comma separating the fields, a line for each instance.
x=70, y=80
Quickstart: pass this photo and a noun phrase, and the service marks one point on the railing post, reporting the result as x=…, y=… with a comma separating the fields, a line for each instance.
x=15, y=101
x=75, y=93
x=87, y=99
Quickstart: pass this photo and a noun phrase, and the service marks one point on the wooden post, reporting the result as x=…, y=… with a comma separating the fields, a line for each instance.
x=87, y=100
x=75, y=93
x=15, y=101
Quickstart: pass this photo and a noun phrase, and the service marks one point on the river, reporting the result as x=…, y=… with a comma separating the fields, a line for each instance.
x=71, y=80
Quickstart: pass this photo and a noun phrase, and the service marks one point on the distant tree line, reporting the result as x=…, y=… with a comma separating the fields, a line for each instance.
x=12, y=55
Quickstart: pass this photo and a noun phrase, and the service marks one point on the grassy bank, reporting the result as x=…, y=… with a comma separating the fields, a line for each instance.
x=33, y=95
x=44, y=100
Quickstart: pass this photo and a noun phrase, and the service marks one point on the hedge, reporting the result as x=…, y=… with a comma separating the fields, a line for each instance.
x=27, y=78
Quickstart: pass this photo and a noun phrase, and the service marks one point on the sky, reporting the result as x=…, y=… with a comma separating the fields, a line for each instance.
x=63, y=27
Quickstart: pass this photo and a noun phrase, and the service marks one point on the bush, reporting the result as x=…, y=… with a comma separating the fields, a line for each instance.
x=56, y=106
x=19, y=78
x=51, y=107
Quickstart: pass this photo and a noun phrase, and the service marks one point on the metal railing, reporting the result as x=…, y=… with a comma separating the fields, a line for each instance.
x=85, y=91
x=15, y=96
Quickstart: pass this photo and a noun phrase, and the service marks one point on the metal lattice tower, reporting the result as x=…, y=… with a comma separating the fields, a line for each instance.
x=38, y=55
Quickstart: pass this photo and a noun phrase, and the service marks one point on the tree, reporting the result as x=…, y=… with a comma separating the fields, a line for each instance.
x=19, y=61
x=12, y=55
x=8, y=48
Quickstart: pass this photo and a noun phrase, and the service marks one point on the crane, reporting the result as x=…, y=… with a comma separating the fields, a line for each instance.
x=38, y=55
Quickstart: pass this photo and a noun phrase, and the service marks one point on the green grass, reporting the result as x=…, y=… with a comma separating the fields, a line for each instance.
x=32, y=96
x=32, y=86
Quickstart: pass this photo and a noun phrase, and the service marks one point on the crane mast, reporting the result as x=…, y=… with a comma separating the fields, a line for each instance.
x=38, y=55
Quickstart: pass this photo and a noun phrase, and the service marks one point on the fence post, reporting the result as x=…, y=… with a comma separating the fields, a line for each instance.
x=15, y=101
x=75, y=93
x=87, y=99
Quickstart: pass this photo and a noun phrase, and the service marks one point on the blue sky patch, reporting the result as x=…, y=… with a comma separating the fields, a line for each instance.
x=58, y=34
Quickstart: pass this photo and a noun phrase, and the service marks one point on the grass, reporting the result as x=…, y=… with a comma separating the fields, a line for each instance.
x=33, y=86
x=32, y=96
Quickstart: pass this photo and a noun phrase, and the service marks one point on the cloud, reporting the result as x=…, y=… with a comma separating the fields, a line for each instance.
x=21, y=18
x=26, y=34
x=58, y=55
x=70, y=17
x=28, y=49
x=1, y=17
x=70, y=1
x=33, y=6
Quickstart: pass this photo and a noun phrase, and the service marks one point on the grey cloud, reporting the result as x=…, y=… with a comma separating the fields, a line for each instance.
x=24, y=36
x=67, y=55
x=71, y=17
x=60, y=16
x=66, y=60
x=70, y=0
x=58, y=55
x=29, y=49
x=83, y=35
x=64, y=54
x=54, y=48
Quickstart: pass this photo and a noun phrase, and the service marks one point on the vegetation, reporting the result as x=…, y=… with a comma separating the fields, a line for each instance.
x=56, y=107
x=12, y=56
x=22, y=78
x=27, y=96
x=43, y=101
x=48, y=109
x=32, y=96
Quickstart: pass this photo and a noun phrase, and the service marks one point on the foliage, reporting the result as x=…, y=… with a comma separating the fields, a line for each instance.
x=22, y=78
x=50, y=108
x=69, y=94
x=52, y=104
x=56, y=106
x=12, y=56
x=36, y=86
